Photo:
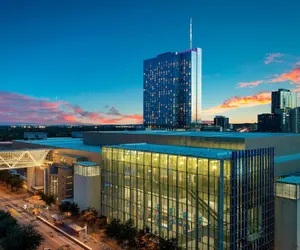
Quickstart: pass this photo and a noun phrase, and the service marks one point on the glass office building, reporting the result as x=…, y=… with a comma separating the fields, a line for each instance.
x=172, y=89
x=283, y=99
x=206, y=198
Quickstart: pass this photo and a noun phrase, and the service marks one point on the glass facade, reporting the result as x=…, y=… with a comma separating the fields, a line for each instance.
x=288, y=190
x=172, y=89
x=206, y=203
x=87, y=170
x=53, y=184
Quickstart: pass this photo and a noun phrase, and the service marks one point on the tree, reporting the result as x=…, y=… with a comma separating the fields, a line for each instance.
x=146, y=240
x=49, y=199
x=114, y=228
x=69, y=207
x=5, y=175
x=129, y=233
x=125, y=233
x=15, y=236
x=23, y=237
x=6, y=221
x=16, y=182
x=166, y=244
x=89, y=215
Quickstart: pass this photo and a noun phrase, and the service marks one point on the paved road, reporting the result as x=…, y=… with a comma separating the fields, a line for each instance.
x=53, y=239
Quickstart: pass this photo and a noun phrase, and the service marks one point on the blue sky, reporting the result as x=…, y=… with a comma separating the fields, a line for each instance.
x=89, y=54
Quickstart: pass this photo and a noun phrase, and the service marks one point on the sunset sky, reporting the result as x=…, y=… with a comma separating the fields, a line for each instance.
x=70, y=62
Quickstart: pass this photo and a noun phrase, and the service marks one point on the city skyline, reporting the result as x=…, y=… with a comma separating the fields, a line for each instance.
x=82, y=63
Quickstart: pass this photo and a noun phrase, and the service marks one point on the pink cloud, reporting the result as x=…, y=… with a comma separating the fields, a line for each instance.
x=235, y=102
x=293, y=76
x=18, y=108
x=272, y=57
x=249, y=84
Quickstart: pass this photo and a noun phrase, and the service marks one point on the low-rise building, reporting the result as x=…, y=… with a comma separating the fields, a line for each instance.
x=87, y=186
x=287, y=212
x=197, y=195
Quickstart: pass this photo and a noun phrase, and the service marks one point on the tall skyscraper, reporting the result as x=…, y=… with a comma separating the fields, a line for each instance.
x=282, y=99
x=172, y=89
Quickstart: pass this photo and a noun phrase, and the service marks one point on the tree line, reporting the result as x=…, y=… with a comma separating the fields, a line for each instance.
x=128, y=236
x=14, y=181
x=16, y=236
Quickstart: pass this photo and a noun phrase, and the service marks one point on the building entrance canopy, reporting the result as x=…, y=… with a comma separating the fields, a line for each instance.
x=26, y=158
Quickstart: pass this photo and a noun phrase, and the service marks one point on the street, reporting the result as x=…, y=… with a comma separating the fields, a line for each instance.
x=52, y=239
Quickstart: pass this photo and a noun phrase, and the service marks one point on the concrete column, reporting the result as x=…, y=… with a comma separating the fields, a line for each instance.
x=46, y=181
x=30, y=178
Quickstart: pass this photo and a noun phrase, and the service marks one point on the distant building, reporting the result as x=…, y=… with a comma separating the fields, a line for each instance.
x=211, y=128
x=285, y=121
x=35, y=135
x=295, y=120
x=172, y=89
x=222, y=122
x=77, y=134
x=282, y=99
x=269, y=123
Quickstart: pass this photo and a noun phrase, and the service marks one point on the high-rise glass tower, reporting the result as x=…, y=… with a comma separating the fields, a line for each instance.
x=282, y=99
x=172, y=89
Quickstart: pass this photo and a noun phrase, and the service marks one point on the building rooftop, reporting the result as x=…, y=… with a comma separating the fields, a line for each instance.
x=178, y=150
x=199, y=133
x=64, y=142
x=290, y=180
x=63, y=166
x=285, y=158
x=87, y=163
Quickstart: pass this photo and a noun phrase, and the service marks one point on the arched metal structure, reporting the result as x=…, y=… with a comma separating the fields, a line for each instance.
x=26, y=158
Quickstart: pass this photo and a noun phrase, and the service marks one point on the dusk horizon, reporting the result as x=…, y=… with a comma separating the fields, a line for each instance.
x=76, y=64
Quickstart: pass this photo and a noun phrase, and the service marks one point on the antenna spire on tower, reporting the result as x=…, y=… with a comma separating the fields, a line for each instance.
x=191, y=33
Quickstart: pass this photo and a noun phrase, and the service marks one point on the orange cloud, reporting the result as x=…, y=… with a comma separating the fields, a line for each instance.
x=240, y=102
x=249, y=84
x=293, y=76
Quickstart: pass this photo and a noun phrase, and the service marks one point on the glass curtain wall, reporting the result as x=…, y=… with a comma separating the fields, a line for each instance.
x=252, y=199
x=204, y=203
x=175, y=196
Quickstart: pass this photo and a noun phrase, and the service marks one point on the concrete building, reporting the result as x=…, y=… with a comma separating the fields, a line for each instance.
x=56, y=176
x=60, y=182
x=87, y=188
x=151, y=176
x=287, y=211
x=172, y=89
